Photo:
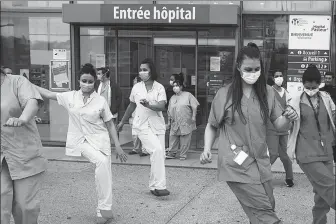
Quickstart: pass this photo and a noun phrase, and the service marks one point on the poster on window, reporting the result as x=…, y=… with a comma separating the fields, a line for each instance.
x=215, y=63
x=308, y=43
x=59, y=75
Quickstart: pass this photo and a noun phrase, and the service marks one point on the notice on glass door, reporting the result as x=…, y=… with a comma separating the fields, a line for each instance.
x=214, y=64
x=100, y=60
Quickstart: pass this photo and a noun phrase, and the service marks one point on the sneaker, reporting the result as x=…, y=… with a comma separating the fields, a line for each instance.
x=289, y=183
x=160, y=193
x=183, y=158
x=132, y=152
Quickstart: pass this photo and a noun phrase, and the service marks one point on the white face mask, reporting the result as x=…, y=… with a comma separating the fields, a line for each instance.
x=85, y=87
x=311, y=92
x=171, y=82
x=278, y=81
x=251, y=77
x=144, y=75
x=176, y=89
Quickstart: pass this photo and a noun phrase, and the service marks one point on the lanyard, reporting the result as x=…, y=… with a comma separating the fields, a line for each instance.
x=316, y=112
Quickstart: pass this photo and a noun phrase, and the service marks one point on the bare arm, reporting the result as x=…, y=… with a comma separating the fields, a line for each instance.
x=113, y=132
x=209, y=137
x=129, y=111
x=160, y=106
x=29, y=111
x=194, y=112
x=46, y=93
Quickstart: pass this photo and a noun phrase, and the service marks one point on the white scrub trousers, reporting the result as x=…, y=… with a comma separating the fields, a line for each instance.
x=103, y=176
x=155, y=146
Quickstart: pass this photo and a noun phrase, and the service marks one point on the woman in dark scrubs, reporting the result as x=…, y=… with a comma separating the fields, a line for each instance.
x=311, y=141
x=241, y=111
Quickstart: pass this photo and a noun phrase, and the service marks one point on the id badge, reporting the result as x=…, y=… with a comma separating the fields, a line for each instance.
x=240, y=157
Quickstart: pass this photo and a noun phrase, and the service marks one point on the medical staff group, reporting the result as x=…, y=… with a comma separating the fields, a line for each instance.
x=257, y=123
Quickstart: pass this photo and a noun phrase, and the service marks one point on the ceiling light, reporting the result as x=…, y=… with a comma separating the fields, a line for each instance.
x=231, y=3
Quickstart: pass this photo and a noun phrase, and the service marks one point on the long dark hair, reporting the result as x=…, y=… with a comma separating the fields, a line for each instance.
x=236, y=89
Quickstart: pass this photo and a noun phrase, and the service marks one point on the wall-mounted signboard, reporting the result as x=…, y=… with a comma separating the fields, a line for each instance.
x=60, y=79
x=309, y=43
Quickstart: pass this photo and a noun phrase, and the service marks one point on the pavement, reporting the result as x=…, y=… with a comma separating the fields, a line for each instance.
x=58, y=154
x=68, y=196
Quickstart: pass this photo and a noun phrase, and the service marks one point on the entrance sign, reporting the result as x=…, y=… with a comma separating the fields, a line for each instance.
x=308, y=43
x=157, y=13
x=151, y=14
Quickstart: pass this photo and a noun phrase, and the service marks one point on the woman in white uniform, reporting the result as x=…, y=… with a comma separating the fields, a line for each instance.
x=90, y=130
x=149, y=99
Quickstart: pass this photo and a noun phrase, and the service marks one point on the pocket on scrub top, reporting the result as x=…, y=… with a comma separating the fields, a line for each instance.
x=93, y=116
x=230, y=159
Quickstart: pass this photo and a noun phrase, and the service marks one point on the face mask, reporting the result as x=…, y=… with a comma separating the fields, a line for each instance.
x=85, y=87
x=99, y=77
x=278, y=81
x=176, y=89
x=251, y=77
x=171, y=83
x=311, y=92
x=144, y=76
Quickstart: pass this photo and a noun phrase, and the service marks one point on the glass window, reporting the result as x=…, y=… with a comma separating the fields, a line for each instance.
x=32, y=4
x=270, y=33
x=27, y=43
x=206, y=2
x=317, y=6
x=57, y=27
x=38, y=25
x=90, y=2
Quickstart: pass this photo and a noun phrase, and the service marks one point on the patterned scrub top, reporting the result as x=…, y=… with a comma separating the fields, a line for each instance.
x=180, y=111
x=251, y=137
x=20, y=146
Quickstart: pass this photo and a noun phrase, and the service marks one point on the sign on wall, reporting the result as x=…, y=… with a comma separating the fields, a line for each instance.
x=308, y=43
x=59, y=75
x=59, y=54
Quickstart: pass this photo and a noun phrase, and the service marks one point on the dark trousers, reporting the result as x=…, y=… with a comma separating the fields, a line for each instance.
x=321, y=177
x=257, y=201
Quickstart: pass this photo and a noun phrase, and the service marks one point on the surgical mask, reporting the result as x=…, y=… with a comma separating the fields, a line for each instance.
x=171, y=82
x=278, y=81
x=311, y=92
x=86, y=87
x=176, y=89
x=251, y=77
x=144, y=76
x=100, y=77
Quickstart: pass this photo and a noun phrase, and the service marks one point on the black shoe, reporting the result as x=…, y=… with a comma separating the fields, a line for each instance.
x=143, y=154
x=132, y=152
x=289, y=182
x=160, y=193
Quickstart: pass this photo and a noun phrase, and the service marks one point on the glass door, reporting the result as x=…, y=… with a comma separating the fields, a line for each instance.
x=175, y=52
x=215, y=59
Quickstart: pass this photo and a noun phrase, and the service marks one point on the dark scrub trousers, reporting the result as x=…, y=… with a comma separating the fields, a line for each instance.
x=251, y=181
x=315, y=160
x=277, y=142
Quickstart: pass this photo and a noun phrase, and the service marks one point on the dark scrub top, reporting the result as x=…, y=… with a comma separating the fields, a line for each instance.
x=309, y=148
x=251, y=136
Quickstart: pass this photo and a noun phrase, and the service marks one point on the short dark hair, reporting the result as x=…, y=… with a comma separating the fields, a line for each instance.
x=329, y=73
x=105, y=71
x=150, y=63
x=88, y=69
x=277, y=70
x=253, y=45
x=179, y=79
x=312, y=74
